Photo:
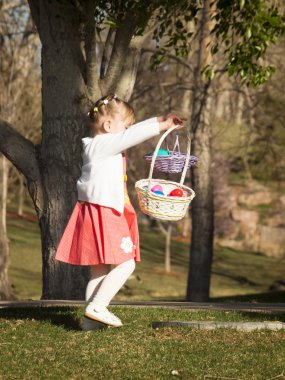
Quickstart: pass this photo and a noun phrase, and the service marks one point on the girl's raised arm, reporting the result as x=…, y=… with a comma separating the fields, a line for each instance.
x=111, y=144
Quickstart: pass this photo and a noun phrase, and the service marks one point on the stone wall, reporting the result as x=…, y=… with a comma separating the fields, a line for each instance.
x=251, y=219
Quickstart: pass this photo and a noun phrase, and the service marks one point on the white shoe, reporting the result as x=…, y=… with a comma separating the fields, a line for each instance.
x=102, y=315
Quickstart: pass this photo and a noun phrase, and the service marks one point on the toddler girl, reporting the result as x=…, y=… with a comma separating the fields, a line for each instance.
x=103, y=228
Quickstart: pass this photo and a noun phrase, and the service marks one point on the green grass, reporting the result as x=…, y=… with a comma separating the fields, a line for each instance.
x=236, y=275
x=25, y=252
x=47, y=343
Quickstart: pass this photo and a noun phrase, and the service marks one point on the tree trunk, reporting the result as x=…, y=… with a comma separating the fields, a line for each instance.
x=202, y=215
x=60, y=151
x=69, y=74
x=167, y=262
x=167, y=232
x=21, y=195
x=5, y=288
x=198, y=288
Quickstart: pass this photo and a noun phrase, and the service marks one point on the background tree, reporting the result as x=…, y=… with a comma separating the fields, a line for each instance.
x=246, y=29
x=243, y=32
x=18, y=51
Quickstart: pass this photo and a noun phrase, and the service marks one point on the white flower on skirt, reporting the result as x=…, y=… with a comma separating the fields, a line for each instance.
x=127, y=244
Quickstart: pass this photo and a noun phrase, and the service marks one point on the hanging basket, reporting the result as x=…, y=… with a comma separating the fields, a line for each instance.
x=165, y=207
x=173, y=162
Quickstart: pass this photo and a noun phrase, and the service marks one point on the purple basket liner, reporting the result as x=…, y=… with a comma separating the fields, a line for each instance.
x=173, y=158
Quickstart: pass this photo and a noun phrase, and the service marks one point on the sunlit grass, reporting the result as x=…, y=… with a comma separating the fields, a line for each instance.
x=47, y=343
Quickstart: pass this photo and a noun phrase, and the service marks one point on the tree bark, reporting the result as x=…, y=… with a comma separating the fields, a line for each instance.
x=202, y=215
x=22, y=153
x=119, y=53
x=201, y=251
x=92, y=75
x=63, y=83
x=60, y=151
x=5, y=288
x=63, y=128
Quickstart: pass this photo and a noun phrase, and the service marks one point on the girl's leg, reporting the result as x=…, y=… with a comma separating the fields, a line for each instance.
x=98, y=273
x=112, y=283
x=108, y=288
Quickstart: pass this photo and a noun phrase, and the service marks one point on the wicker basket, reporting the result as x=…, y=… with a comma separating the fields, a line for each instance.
x=174, y=162
x=162, y=206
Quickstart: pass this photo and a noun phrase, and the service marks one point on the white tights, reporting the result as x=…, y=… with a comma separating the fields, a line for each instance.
x=105, y=284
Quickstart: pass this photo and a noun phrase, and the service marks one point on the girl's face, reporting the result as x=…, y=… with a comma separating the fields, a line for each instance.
x=116, y=124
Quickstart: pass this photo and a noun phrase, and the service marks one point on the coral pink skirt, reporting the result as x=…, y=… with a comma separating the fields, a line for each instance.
x=97, y=234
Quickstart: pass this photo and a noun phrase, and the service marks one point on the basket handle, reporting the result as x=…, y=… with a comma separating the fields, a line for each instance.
x=176, y=145
x=156, y=151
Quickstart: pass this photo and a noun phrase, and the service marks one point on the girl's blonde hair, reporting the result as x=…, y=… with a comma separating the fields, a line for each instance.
x=109, y=105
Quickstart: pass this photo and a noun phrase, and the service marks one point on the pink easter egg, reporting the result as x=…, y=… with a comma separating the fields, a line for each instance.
x=157, y=188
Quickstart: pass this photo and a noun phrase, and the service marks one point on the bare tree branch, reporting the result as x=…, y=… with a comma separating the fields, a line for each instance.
x=169, y=55
x=126, y=82
x=26, y=33
x=35, y=11
x=22, y=153
x=128, y=75
x=19, y=150
x=11, y=5
x=79, y=7
x=121, y=44
x=107, y=46
x=92, y=76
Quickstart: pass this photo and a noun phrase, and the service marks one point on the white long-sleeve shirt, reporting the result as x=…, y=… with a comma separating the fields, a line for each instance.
x=102, y=179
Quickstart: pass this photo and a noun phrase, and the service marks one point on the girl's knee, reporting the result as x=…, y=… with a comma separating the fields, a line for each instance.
x=99, y=270
x=129, y=265
x=132, y=265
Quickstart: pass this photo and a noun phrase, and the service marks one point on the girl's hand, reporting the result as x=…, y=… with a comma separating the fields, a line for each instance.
x=170, y=120
x=176, y=119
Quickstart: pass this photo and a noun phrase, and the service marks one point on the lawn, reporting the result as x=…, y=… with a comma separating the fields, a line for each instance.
x=47, y=343
x=236, y=275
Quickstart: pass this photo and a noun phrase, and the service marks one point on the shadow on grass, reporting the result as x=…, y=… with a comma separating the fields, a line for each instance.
x=267, y=297
x=68, y=317
x=255, y=316
x=65, y=317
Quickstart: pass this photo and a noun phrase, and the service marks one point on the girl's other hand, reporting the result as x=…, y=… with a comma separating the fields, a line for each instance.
x=170, y=120
x=176, y=119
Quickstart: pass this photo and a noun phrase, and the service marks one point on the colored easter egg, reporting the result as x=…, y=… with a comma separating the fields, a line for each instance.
x=176, y=193
x=157, y=192
x=145, y=187
x=157, y=187
x=161, y=152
